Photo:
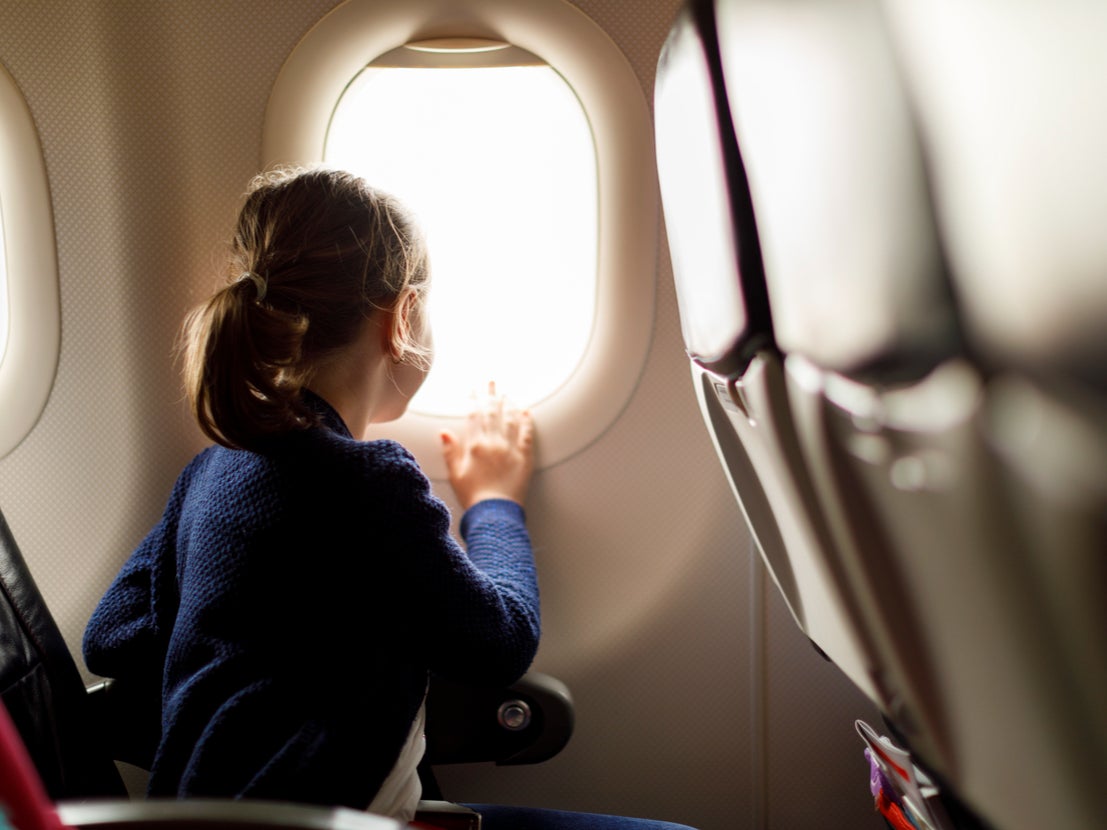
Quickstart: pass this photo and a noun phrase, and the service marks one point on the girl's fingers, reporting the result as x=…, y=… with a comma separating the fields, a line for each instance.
x=495, y=412
x=526, y=429
x=493, y=456
x=511, y=426
x=449, y=441
x=492, y=415
x=488, y=410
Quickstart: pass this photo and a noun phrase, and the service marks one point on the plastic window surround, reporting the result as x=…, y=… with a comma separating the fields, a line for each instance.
x=29, y=356
x=359, y=31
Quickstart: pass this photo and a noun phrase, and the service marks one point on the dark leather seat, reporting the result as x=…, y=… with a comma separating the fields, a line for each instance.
x=42, y=689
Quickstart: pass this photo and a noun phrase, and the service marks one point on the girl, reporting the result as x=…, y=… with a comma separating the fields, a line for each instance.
x=302, y=582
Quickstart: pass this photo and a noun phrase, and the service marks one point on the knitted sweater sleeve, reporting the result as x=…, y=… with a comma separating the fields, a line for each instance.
x=479, y=608
x=128, y=632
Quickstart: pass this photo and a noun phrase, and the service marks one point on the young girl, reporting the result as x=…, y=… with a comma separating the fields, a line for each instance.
x=303, y=582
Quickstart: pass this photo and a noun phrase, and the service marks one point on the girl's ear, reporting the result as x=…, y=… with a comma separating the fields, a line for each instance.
x=399, y=325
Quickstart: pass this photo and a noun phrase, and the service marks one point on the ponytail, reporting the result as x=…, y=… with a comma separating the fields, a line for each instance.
x=240, y=368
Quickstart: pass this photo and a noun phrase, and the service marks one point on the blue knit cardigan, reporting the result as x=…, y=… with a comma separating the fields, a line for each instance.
x=291, y=604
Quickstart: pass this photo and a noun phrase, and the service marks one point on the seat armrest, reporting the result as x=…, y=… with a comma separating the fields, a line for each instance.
x=526, y=723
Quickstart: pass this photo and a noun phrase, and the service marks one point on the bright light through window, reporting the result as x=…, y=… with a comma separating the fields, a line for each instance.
x=498, y=163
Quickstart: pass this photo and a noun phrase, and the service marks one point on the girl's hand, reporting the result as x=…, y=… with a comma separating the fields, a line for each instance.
x=494, y=456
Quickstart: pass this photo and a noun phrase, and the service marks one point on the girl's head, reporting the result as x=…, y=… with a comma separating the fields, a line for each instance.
x=315, y=254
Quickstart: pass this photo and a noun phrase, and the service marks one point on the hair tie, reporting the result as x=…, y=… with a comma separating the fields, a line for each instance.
x=260, y=283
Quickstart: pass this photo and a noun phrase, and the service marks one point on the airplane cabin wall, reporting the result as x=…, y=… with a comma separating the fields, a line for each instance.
x=698, y=700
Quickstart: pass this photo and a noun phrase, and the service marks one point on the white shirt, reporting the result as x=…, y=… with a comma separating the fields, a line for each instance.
x=399, y=795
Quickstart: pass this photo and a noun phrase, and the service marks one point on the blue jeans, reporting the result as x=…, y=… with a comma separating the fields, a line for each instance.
x=503, y=817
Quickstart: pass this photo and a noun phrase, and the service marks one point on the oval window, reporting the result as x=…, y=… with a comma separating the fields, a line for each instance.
x=522, y=139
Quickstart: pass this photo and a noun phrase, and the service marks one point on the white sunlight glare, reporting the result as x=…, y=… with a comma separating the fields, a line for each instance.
x=498, y=165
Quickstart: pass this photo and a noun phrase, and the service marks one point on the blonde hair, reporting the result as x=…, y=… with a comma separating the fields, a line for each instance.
x=314, y=253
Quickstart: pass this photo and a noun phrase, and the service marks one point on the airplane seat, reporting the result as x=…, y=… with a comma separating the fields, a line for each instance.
x=962, y=489
x=42, y=690
x=857, y=289
x=773, y=224
x=729, y=334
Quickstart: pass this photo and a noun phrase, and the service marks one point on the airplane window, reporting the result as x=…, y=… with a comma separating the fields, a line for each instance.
x=30, y=324
x=521, y=136
x=499, y=165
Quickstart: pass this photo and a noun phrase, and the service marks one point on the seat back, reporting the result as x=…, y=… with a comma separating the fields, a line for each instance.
x=857, y=286
x=934, y=258
x=737, y=368
x=42, y=690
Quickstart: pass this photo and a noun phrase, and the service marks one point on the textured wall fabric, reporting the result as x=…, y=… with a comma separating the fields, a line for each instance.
x=150, y=115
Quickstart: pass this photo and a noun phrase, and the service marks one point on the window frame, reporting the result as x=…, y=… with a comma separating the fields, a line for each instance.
x=29, y=359
x=358, y=32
